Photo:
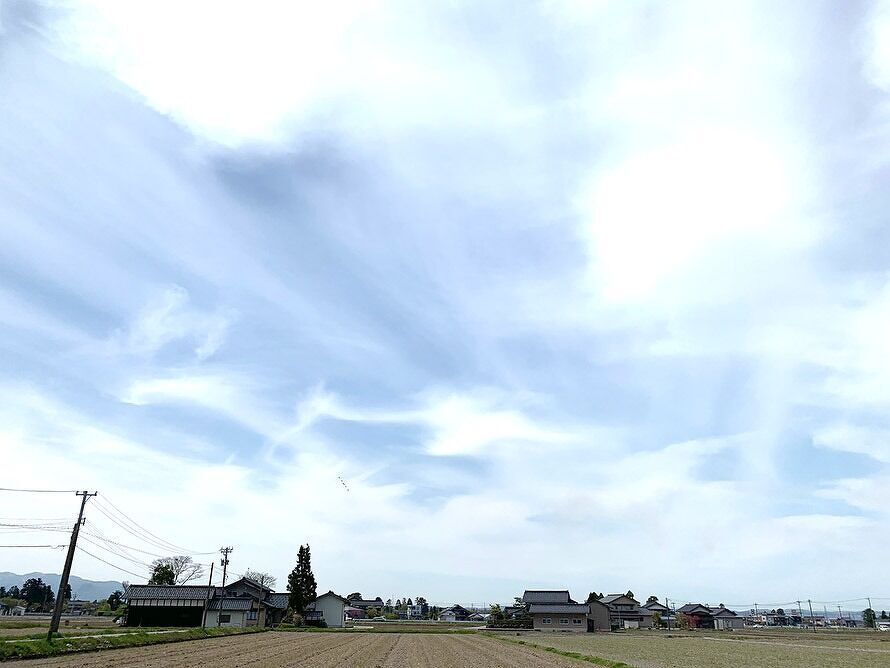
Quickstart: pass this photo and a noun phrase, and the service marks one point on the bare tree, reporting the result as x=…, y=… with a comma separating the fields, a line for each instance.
x=265, y=579
x=184, y=569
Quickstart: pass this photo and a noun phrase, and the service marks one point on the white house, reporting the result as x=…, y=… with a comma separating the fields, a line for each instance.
x=329, y=608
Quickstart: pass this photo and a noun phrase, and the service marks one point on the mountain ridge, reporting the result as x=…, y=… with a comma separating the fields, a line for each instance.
x=81, y=588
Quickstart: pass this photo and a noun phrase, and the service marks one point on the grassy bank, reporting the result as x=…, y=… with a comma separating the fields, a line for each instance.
x=32, y=649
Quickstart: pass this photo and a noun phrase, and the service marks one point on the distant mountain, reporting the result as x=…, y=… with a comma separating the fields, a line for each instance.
x=85, y=590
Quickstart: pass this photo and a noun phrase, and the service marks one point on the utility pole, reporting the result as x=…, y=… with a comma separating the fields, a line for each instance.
x=667, y=603
x=800, y=612
x=840, y=617
x=66, y=571
x=207, y=596
x=873, y=623
x=224, y=562
x=812, y=617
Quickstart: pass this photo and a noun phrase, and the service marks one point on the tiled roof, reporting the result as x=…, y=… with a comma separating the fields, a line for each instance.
x=168, y=591
x=251, y=582
x=243, y=603
x=277, y=600
x=546, y=596
x=690, y=607
x=576, y=608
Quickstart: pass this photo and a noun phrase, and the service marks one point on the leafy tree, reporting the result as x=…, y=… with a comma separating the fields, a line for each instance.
x=36, y=592
x=162, y=574
x=408, y=602
x=420, y=600
x=883, y=614
x=868, y=618
x=497, y=614
x=656, y=619
x=398, y=603
x=652, y=599
x=354, y=596
x=183, y=568
x=301, y=582
x=115, y=600
x=264, y=579
x=629, y=594
x=68, y=595
x=3, y=592
x=14, y=592
x=682, y=621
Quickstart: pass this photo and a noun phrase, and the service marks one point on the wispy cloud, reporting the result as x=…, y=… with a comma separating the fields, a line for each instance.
x=600, y=277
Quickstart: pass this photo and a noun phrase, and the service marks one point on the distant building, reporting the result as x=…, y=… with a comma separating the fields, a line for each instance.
x=456, y=613
x=364, y=604
x=624, y=611
x=700, y=616
x=555, y=610
x=725, y=619
x=329, y=608
x=597, y=615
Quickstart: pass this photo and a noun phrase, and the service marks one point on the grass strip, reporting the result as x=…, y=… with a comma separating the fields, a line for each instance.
x=596, y=660
x=41, y=648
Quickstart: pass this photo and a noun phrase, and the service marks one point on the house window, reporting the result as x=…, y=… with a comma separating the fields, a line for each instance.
x=563, y=620
x=547, y=620
x=252, y=614
x=225, y=619
x=576, y=621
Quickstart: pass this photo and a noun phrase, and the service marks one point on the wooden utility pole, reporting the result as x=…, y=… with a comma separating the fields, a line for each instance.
x=812, y=617
x=224, y=562
x=207, y=597
x=873, y=617
x=66, y=571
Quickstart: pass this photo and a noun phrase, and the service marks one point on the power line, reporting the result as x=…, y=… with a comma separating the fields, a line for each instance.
x=50, y=546
x=138, y=575
x=134, y=528
x=133, y=532
x=39, y=491
x=118, y=554
x=143, y=529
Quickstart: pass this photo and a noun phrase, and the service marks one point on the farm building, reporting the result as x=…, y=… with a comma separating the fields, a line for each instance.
x=242, y=603
x=328, y=608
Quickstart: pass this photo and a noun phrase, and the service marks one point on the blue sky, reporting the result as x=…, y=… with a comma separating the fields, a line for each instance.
x=589, y=295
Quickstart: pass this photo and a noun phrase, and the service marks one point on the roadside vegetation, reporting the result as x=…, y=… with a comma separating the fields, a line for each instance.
x=32, y=649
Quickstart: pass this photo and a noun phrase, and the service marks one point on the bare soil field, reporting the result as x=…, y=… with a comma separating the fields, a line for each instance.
x=323, y=650
x=726, y=650
x=11, y=627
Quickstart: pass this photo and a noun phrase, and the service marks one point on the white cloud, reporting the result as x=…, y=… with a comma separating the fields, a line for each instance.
x=874, y=443
x=665, y=212
x=170, y=317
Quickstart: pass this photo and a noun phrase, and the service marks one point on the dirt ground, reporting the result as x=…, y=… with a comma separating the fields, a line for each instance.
x=322, y=650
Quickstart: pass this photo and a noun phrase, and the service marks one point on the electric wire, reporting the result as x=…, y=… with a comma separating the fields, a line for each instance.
x=138, y=575
x=172, y=546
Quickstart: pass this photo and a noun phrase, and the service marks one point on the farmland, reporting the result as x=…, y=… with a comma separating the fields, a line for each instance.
x=391, y=648
x=752, y=649
x=321, y=650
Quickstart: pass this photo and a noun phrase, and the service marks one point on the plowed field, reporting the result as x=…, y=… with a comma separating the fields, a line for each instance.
x=323, y=650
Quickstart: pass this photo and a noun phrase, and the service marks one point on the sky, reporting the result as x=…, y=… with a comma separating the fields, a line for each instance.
x=471, y=297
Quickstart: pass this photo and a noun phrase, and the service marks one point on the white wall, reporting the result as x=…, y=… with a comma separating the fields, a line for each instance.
x=238, y=618
x=332, y=609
